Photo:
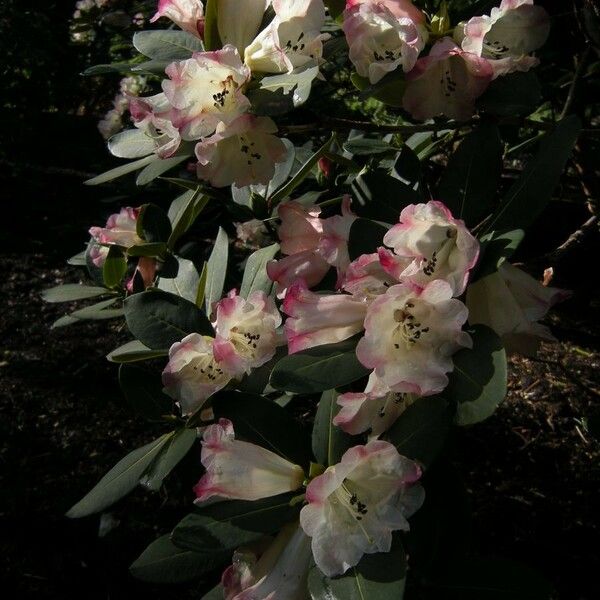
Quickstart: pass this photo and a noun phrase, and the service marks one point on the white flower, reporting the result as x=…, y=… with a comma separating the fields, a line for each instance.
x=239, y=26
x=187, y=14
x=240, y=470
x=354, y=506
x=120, y=229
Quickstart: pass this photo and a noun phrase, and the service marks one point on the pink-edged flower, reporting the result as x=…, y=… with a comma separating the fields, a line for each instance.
x=401, y=9
x=437, y=245
x=154, y=116
x=365, y=277
x=512, y=302
x=333, y=246
x=301, y=227
x=98, y=254
x=239, y=27
x=240, y=470
x=206, y=90
x=411, y=334
x=375, y=410
x=446, y=82
x=508, y=35
x=307, y=266
x=316, y=319
x=246, y=331
x=293, y=39
x=251, y=234
x=379, y=41
x=192, y=373
x=355, y=505
x=242, y=152
x=120, y=229
x=280, y=573
x=187, y=14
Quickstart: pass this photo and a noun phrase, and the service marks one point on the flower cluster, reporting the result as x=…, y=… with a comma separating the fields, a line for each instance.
x=112, y=122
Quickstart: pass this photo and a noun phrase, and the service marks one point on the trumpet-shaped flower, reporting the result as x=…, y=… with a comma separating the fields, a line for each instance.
x=243, y=152
x=241, y=470
x=206, y=90
x=411, y=334
x=239, y=27
x=120, y=229
x=375, y=410
x=246, y=331
x=355, y=505
x=187, y=14
x=307, y=266
x=301, y=228
x=401, y=9
x=366, y=277
x=293, y=39
x=379, y=41
x=446, y=82
x=508, y=35
x=438, y=246
x=316, y=319
x=511, y=302
x=192, y=373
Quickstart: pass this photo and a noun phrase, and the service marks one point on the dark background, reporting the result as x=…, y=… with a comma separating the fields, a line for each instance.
x=531, y=470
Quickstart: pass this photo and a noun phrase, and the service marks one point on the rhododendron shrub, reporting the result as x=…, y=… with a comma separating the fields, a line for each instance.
x=326, y=301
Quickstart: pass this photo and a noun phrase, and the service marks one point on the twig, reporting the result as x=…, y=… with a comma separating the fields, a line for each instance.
x=573, y=87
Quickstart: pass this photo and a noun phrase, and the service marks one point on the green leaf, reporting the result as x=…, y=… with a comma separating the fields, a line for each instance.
x=212, y=41
x=216, y=270
x=225, y=526
x=163, y=562
x=142, y=388
x=365, y=237
x=318, y=369
x=389, y=90
x=378, y=576
x=185, y=284
x=335, y=7
x=131, y=143
x=267, y=102
x=285, y=190
x=514, y=94
x=362, y=146
x=134, y=351
x=155, y=249
x=471, y=178
x=183, y=212
x=114, y=268
x=528, y=196
x=262, y=422
x=120, y=170
x=478, y=382
x=120, y=480
x=255, y=274
x=297, y=84
x=94, y=312
x=489, y=579
x=153, y=224
x=157, y=167
x=70, y=292
x=329, y=442
x=494, y=250
x=171, y=455
x=421, y=430
x=78, y=260
x=202, y=286
x=169, y=44
x=159, y=319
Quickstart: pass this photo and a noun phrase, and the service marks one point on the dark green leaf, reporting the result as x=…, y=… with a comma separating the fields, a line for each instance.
x=495, y=249
x=329, y=442
x=470, y=180
x=212, y=41
x=318, y=369
x=478, y=382
x=183, y=212
x=514, y=94
x=153, y=224
x=255, y=274
x=217, y=593
x=159, y=319
x=114, y=268
x=362, y=146
x=152, y=249
x=216, y=270
x=185, y=284
x=70, y=292
x=169, y=44
x=335, y=7
x=407, y=167
x=225, y=526
x=421, y=430
x=143, y=389
x=120, y=480
x=271, y=102
x=365, y=237
x=134, y=351
x=163, y=562
x=120, y=170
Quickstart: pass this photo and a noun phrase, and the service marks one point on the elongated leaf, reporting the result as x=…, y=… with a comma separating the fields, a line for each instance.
x=318, y=369
x=114, y=268
x=99, y=311
x=154, y=249
x=183, y=212
x=120, y=171
x=470, y=180
x=78, y=260
x=153, y=224
x=378, y=576
x=170, y=456
x=478, y=382
x=365, y=237
x=514, y=94
x=163, y=562
x=255, y=274
x=216, y=270
x=528, y=196
x=120, y=480
x=131, y=143
x=202, y=286
x=169, y=44
x=157, y=167
x=329, y=442
x=225, y=526
x=70, y=292
x=185, y=284
x=496, y=247
x=212, y=41
x=362, y=146
x=134, y=351
x=264, y=423
x=159, y=319
x=421, y=430
x=142, y=388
